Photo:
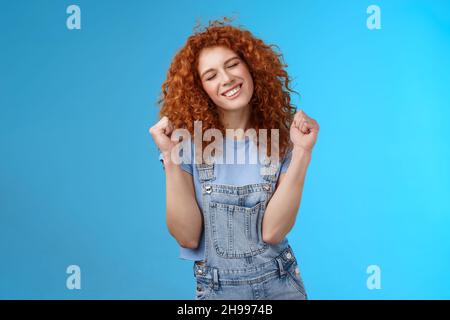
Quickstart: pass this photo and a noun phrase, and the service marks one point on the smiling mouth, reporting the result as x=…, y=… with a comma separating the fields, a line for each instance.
x=232, y=92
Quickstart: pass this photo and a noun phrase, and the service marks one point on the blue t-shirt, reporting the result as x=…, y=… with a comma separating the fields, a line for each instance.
x=232, y=174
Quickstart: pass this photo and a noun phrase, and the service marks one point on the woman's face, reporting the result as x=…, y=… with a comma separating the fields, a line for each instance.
x=225, y=78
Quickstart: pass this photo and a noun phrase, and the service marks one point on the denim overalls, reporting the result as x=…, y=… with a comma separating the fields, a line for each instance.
x=238, y=264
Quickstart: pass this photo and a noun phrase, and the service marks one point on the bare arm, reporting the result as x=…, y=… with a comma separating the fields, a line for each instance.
x=183, y=216
x=281, y=212
x=282, y=209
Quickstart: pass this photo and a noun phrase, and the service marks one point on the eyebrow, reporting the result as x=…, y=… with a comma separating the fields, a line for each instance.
x=228, y=60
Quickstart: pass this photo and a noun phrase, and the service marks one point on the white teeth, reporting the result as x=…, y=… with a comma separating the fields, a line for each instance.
x=234, y=91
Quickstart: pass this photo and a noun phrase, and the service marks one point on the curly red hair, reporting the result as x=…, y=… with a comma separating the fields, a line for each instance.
x=184, y=101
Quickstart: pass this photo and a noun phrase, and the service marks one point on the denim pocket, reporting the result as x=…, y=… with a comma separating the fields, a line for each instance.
x=236, y=230
x=295, y=279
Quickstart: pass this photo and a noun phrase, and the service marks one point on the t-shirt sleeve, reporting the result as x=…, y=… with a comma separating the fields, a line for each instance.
x=186, y=166
x=286, y=162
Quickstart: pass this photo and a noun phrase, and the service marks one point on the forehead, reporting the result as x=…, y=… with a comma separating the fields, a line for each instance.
x=213, y=56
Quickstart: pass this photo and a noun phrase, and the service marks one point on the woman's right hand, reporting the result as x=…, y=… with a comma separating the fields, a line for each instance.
x=161, y=132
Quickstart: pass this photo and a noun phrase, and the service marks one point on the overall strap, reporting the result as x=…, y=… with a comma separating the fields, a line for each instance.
x=269, y=171
x=205, y=172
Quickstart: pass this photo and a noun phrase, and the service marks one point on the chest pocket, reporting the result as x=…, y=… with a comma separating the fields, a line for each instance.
x=236, y=230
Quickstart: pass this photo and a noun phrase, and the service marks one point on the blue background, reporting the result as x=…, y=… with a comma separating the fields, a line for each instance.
x=80, y=180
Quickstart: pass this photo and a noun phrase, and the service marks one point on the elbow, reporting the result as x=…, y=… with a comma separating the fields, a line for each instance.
x=185, y=242
x=271, y=239
x=188, y=244
x=186, y=237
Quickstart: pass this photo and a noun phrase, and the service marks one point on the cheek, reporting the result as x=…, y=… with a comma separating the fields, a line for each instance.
x=210, y=90
x=248, y=78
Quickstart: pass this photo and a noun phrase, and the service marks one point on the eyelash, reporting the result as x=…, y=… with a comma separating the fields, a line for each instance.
x=233, y=65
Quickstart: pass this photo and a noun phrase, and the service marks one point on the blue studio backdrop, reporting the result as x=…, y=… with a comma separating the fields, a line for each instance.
x=80, y=180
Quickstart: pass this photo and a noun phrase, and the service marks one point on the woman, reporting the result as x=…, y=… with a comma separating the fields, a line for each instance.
x=232, y=219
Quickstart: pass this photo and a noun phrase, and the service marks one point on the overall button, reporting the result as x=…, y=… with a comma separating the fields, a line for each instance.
x=208, y=189
x=199, y=271
x=288, y=256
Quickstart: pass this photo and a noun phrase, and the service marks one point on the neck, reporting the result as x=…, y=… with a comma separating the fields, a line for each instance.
x=236, y=119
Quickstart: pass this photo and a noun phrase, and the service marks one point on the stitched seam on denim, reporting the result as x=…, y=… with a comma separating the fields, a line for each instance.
x=226, y=253
x=294, y=284
x=267, y=276
x=238, y=190
x=271, y=263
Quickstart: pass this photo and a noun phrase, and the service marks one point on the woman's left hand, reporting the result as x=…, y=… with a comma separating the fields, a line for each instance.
x=304, y=131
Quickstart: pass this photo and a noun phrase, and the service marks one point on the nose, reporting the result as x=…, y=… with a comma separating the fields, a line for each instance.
x=227, y=79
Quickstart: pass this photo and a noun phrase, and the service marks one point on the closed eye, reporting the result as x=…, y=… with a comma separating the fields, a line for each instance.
x=230, y=66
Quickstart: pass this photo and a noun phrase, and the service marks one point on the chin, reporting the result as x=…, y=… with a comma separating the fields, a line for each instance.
x=233, y=108
x=235, y=105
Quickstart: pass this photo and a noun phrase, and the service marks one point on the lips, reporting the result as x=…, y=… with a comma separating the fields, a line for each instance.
x=232, y=88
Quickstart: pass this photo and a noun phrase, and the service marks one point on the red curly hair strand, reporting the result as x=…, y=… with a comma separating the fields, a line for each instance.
x=184, y=101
